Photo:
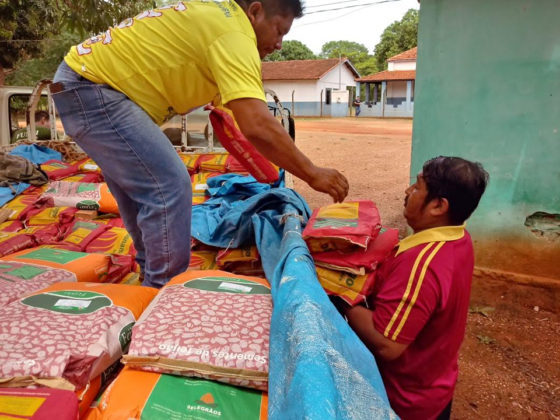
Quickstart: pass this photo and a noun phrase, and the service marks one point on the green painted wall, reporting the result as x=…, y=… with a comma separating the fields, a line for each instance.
x=488, y=89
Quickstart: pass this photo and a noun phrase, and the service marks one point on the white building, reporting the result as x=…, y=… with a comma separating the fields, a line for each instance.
x=393, y=89
x=312, y=87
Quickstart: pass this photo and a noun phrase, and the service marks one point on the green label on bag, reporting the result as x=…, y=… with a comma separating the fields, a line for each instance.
x=72, y=302
x=59, y=256
x=84, y=225
x=125, y=335
x=87, y=186
x=178, y=398
x=26, y=272
x=334, y=223
x=228, y=285
x=87, y=205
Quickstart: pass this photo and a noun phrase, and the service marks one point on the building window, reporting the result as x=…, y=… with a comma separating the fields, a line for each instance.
x=328, y=96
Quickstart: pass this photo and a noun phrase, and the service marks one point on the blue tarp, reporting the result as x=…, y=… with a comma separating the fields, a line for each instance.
x=36, y=154
x=319, y=369
x=227, y=224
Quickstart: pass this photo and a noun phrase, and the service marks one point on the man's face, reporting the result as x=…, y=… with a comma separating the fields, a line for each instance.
x=415, y=209
x=43, y=122
x=270, y=30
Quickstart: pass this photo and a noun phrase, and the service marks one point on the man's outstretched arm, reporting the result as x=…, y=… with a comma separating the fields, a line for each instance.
x=274, y=143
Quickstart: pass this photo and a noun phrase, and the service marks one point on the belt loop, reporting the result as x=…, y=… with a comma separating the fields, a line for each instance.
x=56, y=87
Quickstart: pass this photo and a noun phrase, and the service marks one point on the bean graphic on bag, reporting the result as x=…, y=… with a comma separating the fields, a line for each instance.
x=67, y=334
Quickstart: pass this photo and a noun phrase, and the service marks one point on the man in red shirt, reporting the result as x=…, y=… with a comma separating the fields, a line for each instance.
x=421, y=298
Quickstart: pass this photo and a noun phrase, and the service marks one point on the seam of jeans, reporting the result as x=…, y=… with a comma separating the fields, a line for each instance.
x=166, y=229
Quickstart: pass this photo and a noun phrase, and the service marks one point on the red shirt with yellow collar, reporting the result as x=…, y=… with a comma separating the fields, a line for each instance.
x=421, y=298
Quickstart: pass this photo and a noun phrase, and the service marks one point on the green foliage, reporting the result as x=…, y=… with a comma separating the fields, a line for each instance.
x=24, y=23
x=291, y=50
x=93, y=16
x=44, y=64
x=357, y=54
x=36, y=34
x=398, y=37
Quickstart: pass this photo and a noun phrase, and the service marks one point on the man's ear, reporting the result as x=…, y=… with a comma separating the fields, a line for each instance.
x=439, y=206
x=255, y=11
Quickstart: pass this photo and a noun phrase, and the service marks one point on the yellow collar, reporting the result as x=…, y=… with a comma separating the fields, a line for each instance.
x=443, y=233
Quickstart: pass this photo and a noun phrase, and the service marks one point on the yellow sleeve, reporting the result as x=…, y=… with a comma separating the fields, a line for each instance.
x=234, y=62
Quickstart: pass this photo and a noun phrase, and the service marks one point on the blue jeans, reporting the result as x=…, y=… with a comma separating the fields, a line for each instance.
x=142, y=169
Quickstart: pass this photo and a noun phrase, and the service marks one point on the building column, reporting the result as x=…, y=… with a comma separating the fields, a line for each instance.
x=358, y=88
x=375, y=93
x=383, y=92
x=408, y=94
x=367, y=93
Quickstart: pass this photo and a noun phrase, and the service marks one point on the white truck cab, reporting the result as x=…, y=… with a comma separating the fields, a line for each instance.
x=13, y=105
x=15, y=101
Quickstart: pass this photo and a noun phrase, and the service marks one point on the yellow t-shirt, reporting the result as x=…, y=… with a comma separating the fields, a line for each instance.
x=176, y=58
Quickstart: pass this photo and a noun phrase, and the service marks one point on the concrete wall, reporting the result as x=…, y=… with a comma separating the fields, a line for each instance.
x=338, y=78
x=402, y=65
x=303, y=90
x=488, y=89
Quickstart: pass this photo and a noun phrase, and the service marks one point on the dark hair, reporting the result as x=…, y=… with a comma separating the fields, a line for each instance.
x=41, y=114
x=276, y=7
x=460, y=181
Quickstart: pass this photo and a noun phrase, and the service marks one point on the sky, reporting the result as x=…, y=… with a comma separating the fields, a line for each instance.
x=361, y=21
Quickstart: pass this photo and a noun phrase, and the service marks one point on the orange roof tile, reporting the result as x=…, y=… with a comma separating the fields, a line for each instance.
x=389, y=75
x=406, y=55
x=299, y=69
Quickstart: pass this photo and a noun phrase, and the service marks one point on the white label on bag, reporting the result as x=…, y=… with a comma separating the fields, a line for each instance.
x=72, y=303
x=234, y=287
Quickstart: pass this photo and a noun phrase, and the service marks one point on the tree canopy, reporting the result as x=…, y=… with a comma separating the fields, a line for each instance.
x=357, y=54
x=398, y=37
x=291, y=50
x=34, y=33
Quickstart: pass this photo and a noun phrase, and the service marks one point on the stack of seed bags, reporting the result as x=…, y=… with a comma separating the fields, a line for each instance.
x=347, y=243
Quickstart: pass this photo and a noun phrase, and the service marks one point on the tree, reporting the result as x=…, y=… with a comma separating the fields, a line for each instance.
x=23, y=25
x=34, y=32
x=43, y=65
x=396, y=38
x=291, y=50
x=357, y=54
x=94, y=16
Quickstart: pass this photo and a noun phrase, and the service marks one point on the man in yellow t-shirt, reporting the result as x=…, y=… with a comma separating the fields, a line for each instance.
x=112, y=90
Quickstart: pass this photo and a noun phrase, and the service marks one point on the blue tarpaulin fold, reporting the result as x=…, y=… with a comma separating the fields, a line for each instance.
x=319, y=369
x=227, y=224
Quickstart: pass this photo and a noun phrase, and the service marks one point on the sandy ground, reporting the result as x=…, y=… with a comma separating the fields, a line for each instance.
x=509, y=365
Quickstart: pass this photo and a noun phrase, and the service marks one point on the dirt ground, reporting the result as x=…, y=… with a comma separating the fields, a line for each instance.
x=509, y=366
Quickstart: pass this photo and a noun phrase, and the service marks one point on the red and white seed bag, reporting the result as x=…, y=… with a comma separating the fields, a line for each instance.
x=210, y=324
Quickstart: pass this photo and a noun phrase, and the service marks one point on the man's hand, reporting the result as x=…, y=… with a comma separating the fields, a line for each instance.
x=269, y=137
x=330, y=181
